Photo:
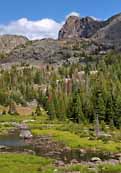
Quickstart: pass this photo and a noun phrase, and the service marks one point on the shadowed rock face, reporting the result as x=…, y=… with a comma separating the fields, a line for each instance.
x=71, y=28
x=9, y=42
x=103, y=32
x=111, y=33
x=76, y=27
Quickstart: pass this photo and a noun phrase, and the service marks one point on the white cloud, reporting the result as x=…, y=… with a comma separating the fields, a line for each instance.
x=73, y=14
x=45, y=28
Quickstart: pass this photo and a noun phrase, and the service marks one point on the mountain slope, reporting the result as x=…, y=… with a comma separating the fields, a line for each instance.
x=53, y=51
x=111, y=33
x=9, y=42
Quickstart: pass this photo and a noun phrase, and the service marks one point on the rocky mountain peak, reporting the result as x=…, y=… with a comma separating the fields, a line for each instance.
x=76, y=27
x=71, y=28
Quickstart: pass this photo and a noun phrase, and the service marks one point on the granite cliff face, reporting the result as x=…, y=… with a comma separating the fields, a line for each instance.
x=76, y=27
x=106, y=32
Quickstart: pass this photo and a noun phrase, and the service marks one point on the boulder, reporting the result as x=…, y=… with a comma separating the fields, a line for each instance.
x=95, y=159
x=59, y=163
x=67, y=149
x=82, y=151
x=118, y=155
x=2, y=147
x=23, y=126
x=29, y=151
x=74, y=161
x=25, y=134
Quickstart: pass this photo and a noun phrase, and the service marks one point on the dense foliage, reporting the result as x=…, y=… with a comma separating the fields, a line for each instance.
x=80, y=92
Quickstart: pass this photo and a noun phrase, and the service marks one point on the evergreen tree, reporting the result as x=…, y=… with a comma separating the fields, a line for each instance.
x=75, y=111
x=99, y=105
x=109, y=110
x=51, y=110
x=117, y=115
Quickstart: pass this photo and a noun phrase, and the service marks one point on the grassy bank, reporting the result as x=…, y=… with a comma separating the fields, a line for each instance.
x=74, y=141
x=72, y=135
x=22, y=163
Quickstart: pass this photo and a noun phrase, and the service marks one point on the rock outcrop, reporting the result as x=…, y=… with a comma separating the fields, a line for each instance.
x=111, y=33
x=76, y=27
x=106, y=32
x=50, y=51
x=9, y=42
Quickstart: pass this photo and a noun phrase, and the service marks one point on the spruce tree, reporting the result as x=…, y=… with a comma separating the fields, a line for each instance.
x=75, y=108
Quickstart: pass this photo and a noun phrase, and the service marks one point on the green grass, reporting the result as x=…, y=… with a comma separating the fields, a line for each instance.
x=73, y=135
x=22, y=163
x=74, y=168
x=108, y=168
x=19, y=118
x=97, y=169
x=5, y=128
x=74, y=141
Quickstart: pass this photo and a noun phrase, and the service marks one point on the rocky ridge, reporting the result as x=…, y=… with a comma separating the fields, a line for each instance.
x=106, y=32
x=78, y=38
x=9, y=42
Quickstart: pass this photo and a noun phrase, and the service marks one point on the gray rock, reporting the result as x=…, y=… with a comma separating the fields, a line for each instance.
x=25, y=134
x=95, y=159
x=2, y=147
x=67, y=149
x=106, y=33
x=59, y=163
x=9, y=42
x=76, y=27
x=29, y=151
x=74, y=161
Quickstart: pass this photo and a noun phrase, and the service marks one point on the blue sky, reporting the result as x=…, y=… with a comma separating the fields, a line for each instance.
x=56, y=10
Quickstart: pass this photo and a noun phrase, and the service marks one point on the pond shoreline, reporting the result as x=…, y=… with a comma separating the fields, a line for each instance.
x=45, y=146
